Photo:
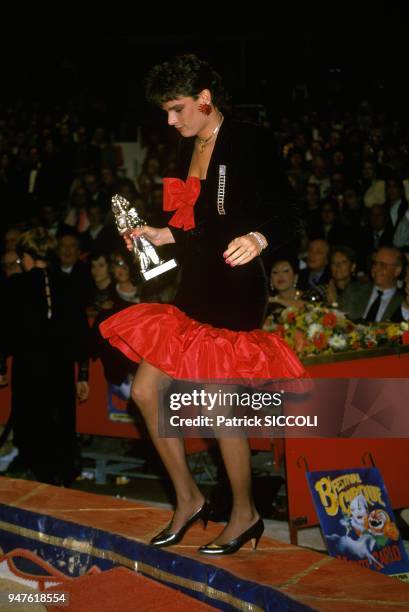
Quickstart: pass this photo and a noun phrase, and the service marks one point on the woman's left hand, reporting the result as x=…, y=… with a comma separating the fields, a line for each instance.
x=4, y=381
x=331, y=292
x=82, y=390
x=241, y=250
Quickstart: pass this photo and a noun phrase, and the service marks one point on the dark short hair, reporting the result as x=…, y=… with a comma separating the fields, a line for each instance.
x=400, y=260
x=347, y=251
x=68, y=230
x=292, y=261
x=183, y=76
x=96, y=254
x=38, y=243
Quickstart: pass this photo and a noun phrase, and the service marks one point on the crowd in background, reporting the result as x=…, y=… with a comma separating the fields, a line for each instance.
x=349, y=171
x=350, y=177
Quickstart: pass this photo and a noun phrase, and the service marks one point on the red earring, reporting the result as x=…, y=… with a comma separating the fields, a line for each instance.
x=205, y=108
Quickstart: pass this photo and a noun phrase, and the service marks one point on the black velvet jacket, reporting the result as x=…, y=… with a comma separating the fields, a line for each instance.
x=257, y=197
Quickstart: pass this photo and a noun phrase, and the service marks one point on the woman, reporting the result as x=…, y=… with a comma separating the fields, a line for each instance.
x=342, y=283
x=329, y=226
x=229, y=200
x=45, y=331
x=372, y=187
x=126, y=289
x=103, y=293
x=283, y=283
x=112, y=299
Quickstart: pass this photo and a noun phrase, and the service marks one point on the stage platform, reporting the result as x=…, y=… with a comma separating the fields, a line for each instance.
x=79, y=534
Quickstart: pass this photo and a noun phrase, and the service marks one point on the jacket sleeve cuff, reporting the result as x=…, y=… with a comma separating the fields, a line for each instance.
x=83, y=371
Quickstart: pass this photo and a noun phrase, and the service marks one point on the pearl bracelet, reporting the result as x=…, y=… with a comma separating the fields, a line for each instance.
x=262, y=242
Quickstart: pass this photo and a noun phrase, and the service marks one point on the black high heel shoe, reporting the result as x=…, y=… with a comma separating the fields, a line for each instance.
x=167, y=538
x=253, y=533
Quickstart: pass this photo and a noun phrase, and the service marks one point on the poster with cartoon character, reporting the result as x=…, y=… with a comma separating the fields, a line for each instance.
x=118, y=399
x=357, y=520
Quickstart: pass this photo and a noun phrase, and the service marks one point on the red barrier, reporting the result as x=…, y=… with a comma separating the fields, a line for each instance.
x=93, y=417
x=389, y=455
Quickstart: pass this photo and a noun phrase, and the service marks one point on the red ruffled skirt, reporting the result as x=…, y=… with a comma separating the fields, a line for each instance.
x=168, y=339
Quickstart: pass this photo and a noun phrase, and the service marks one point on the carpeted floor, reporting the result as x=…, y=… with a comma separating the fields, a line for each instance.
x=121, y=590
x=7, y=587
x=117, y=590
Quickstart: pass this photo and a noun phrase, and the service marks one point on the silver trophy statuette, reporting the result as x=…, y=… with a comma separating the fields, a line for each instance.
x=127, y=219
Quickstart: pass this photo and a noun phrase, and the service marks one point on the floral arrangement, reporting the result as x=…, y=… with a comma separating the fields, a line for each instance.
x=315, y=329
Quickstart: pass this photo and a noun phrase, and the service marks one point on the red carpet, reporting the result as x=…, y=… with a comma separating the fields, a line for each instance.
x=120, y=590
x=76, y=532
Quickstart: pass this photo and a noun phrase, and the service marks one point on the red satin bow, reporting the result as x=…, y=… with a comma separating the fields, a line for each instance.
x=181, y=196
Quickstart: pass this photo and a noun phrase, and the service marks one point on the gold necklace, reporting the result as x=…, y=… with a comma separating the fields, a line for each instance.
x=203, y=142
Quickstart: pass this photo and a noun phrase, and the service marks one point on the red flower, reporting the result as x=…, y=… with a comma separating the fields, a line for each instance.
x=329, y=319
x=319, y=341
x=299, y=341
x=291, y=317
x=370, y=344
x=280, y=330
x=405, y=337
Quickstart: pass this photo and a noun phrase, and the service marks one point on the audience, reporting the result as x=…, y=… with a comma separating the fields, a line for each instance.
x=402, y=312
x=10, y=263
x=317, y=272
x=378, y=300
x=349, y=172
x=343, y=267
x=283, y=284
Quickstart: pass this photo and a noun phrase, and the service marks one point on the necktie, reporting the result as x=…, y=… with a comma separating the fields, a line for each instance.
x=314, y=280
x=377, y=238
x=401, y=211
x=373, y=311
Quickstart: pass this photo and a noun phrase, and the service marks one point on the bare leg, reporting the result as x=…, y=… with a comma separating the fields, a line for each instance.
x=171, y=450
x=236, y=458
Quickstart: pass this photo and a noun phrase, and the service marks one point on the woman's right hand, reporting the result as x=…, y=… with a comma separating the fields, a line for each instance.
x=158, y=236
x=332, y=294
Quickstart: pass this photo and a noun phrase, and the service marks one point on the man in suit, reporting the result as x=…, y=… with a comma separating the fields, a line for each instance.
x=317, y=272
x=71, y=268
x=378, y=233
x=398, y=212
x=97, y=238
x=378, y=301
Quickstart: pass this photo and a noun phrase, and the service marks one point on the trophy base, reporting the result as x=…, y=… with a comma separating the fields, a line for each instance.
x=160, y=269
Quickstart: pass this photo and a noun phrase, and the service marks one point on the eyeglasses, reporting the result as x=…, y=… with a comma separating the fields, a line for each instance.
x=383, y=265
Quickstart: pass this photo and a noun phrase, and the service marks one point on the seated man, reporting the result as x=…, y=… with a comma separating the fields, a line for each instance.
x=378, y=301
x=317, y=273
